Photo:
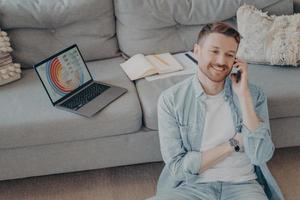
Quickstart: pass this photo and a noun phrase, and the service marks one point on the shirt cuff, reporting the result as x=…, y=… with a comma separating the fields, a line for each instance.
x=192, y=162
x=259, y=132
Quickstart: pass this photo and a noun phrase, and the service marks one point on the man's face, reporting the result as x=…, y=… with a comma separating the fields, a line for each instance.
x=216, y=55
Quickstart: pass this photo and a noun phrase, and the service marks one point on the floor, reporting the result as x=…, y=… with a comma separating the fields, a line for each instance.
x=133, y=182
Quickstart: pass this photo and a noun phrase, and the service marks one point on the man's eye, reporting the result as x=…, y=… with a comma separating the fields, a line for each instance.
x=214, y=51
x=230, y=55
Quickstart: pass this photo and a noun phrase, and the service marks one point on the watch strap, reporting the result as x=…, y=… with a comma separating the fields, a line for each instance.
x=235, y=144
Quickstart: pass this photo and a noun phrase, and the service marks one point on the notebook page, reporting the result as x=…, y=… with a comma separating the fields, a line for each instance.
x=137, y=66
x=164, y=63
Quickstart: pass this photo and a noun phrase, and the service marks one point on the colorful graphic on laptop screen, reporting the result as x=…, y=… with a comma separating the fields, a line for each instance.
x=63, y=74
x=63, y=79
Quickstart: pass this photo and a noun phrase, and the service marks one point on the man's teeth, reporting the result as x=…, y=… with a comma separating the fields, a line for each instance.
x=218, y=68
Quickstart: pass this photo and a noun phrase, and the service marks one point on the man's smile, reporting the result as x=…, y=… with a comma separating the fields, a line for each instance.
x=218, y=68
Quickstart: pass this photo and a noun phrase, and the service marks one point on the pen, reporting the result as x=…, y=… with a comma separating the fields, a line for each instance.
x=190, y=57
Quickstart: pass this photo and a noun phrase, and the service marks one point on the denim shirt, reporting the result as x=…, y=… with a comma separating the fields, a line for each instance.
x=181, y=117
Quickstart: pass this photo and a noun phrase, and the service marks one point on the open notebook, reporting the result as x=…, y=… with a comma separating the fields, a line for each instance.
x=186, y=59
x=139, y=66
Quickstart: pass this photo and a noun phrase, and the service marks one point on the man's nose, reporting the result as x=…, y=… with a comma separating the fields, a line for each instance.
x=221, y=60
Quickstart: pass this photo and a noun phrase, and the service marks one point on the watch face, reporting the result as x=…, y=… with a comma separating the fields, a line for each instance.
x=237, y=148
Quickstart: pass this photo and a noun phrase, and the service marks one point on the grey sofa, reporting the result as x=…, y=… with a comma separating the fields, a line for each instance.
x=37, y=139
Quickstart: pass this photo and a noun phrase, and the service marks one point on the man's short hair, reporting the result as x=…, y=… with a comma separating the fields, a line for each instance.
x=219, y=27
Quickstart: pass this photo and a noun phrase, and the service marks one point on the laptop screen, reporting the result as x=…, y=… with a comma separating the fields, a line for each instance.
x=63, y=73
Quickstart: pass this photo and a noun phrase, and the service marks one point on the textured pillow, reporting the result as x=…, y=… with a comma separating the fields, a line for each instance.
x=9, y=71
x=268, y=39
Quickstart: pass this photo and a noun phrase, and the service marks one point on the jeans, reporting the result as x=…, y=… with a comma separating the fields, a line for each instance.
x=248, y=190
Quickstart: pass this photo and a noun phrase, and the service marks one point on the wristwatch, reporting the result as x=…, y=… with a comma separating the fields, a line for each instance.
x=235, y=144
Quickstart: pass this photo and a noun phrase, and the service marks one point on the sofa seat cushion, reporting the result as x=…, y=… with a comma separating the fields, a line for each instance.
x=149, y=92
x=279, y=83
x=28, y=117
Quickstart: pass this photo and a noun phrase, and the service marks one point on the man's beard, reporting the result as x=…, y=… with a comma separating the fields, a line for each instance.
x=213, y=78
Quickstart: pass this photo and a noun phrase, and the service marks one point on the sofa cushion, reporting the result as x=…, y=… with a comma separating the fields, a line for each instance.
x=28, y=117
x=279, y=83
x=281, y=87
x=40, y=28
x=277, y=42
x=156, y=26
x=149, y=92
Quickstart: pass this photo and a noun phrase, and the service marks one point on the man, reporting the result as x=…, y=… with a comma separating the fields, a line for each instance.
x=214, y=128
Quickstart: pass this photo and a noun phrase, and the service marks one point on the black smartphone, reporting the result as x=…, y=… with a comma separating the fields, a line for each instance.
x=237, y=73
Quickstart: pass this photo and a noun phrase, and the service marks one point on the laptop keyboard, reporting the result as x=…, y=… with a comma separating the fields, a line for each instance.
x=85, y=96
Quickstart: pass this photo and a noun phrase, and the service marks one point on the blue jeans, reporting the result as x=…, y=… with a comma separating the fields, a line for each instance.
x=248, y=190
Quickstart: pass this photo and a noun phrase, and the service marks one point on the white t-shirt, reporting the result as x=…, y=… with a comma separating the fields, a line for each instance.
x=218, y=129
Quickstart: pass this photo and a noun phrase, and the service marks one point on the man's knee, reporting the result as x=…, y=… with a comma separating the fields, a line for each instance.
x=248, y=191
x=167, y=197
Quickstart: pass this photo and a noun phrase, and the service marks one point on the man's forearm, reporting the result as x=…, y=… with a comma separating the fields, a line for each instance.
x=213, y=156
x=250, y=118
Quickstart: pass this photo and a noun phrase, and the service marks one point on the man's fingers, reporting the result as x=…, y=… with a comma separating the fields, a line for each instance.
x=240, y=60
x=233, y=78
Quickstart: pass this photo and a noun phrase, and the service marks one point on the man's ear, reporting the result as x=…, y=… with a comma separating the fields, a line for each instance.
x=197, y=49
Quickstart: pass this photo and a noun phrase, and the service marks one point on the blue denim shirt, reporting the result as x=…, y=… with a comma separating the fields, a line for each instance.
x=181, y=117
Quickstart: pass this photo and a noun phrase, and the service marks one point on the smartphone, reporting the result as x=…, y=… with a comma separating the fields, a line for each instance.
x=237, y=73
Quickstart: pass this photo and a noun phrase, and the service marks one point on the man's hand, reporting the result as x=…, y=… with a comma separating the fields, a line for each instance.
x=215, y=155
x=240, y=88
x=239, y=137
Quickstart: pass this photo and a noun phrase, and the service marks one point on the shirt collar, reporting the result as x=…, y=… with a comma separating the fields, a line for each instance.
x=197, y=87
x=199, y=92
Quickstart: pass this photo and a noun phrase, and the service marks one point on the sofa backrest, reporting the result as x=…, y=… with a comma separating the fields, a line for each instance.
x=155, y=26
x=39, y=28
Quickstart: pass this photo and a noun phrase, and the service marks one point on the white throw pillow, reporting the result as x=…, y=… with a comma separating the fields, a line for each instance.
x=9, y=71
x=268, y=39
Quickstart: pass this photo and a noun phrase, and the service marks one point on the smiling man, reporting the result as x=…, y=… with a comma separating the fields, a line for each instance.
x=214, y=128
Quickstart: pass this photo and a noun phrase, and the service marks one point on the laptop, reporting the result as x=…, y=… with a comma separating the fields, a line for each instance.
x=70, y=86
